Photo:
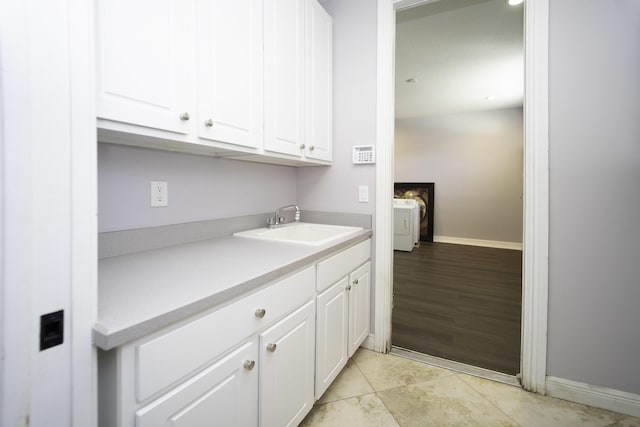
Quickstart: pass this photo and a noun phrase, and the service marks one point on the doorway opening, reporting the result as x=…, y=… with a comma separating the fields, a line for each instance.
x=459, y=124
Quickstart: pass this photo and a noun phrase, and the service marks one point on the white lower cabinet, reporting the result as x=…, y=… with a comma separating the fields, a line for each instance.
x=332, y=307
x=217, y=368
x=224, y=394
x=287, y=369
x=359, y=306
x=262, y=360
x=343, y=306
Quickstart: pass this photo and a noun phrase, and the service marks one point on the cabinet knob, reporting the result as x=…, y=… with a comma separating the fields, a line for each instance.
x=302, y=146
x=260, y=313
x=312, y=148
x=355, y=282
x=184, y=116
x=249, y=364
x=348, y=287
x=208, y=123
x=271, y=347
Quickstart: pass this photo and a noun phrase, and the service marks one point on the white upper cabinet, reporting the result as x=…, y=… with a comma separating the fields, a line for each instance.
x=298, y=79
x=319, y=71
x=247, y=79
x=145, y=58
x=230, y=87
x=284, y=45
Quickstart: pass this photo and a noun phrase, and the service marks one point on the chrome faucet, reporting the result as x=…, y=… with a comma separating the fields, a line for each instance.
x=279, y=220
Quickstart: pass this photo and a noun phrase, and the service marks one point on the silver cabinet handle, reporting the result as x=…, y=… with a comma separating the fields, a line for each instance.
x=249, y=364
x=260, y=313
x=355, y=282
x=208, y=123
x=312, y=148
x=302, y=146
x=271, y=347
x=348, y=287
x=184, y=116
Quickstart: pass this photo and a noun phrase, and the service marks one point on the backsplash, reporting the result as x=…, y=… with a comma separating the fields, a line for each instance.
x=124, y=242
x=200, y=188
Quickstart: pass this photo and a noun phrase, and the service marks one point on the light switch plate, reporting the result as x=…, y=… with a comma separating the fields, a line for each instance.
x=363, y=193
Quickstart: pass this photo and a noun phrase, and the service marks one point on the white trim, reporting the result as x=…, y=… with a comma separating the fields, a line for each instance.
x=536, y=191
x=477, y=242
x=456, y=366
x=369, y=342
x=535, y=280
x=384, y=177
x=84, y=224
x=600, y=397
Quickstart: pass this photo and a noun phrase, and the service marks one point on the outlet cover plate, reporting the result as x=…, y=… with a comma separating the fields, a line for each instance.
x=159, y=194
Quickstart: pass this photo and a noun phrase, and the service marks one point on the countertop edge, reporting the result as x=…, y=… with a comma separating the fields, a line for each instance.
x=105, y=339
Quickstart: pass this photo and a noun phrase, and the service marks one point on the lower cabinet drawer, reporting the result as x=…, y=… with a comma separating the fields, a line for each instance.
x=225, y=394
x=335, y=267
x=167, y=359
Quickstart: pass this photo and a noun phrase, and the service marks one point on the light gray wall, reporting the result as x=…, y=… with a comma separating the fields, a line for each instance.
x=475, y=161
x=594, y=266
x=200, y=187
x=335, y=188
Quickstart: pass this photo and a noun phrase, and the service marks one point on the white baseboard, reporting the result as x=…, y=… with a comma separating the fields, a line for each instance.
x=600, y=397
x=477, y=242
x=368, y=342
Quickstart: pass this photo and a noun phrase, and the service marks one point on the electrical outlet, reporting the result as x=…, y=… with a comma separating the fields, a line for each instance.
x=159, y=194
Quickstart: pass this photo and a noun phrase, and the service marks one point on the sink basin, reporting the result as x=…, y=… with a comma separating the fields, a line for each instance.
x=301, y=232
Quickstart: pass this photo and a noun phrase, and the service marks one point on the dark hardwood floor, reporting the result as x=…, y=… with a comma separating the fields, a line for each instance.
x=461, y=303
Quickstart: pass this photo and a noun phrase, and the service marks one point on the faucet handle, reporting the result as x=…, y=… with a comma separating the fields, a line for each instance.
x=297, y=216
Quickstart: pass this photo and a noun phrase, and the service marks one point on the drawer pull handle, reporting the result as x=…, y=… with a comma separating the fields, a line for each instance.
x=348, y=287
x=302, y=146
x=312, y=148
x=184, y=116
x=271, y=347
x=260, y=313
x=208, y=123
x=355, y=282
x=249, y=364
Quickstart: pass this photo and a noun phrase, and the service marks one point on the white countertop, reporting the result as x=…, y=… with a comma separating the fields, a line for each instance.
x=143, y=292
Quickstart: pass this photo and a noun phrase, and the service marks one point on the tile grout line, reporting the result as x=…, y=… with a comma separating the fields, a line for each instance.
x=457, y=374
x=357, y=395
x=375, y=391
x=452, y=373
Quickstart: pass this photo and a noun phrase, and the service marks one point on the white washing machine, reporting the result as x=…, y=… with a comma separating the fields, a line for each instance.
x=406, y=224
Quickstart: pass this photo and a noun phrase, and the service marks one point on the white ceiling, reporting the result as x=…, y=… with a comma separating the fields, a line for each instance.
x=460, y=52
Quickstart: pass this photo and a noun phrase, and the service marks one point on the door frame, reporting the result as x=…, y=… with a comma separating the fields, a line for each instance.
x=535, y=279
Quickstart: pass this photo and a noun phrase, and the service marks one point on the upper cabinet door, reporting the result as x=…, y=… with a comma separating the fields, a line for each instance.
x=284, y=76
x=145, y=58
x=230, y=71
x=319, y=66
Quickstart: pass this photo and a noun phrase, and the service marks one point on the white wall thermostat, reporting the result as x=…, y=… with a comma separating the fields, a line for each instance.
x=364, y=154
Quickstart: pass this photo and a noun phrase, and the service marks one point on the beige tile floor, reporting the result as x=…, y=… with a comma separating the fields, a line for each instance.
x=386, y=390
